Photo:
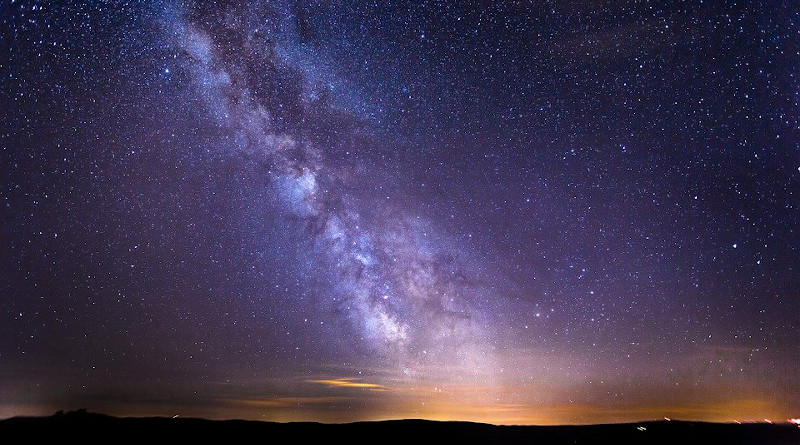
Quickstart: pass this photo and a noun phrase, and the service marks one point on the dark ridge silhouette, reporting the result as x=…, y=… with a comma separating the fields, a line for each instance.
x=84, y=427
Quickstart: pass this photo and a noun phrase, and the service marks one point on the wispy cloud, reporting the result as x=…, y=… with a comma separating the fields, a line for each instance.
x=346, y=382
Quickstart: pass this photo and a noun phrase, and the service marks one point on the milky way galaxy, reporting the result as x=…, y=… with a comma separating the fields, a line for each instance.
x=504, y=212
x=403, y=292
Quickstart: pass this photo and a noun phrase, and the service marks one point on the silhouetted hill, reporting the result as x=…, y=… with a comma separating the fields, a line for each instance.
x=83, y=427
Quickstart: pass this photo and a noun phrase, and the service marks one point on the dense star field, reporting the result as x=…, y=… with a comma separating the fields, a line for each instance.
x=512, y=212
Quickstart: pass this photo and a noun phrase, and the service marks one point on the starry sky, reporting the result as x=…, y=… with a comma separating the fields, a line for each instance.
x=527, y=212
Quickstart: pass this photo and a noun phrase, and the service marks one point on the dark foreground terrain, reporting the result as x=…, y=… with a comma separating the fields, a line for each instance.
x=81, y=427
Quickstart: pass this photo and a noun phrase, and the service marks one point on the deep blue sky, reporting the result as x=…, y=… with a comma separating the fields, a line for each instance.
x=515, y=212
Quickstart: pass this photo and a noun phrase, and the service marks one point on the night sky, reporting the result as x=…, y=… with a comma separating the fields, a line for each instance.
x=511, y=212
